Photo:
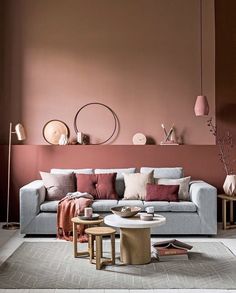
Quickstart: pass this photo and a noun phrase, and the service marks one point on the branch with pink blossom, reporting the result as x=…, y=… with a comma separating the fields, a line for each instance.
x=225, y=144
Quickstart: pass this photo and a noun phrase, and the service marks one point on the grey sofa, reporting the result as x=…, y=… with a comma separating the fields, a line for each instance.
x=197, y=216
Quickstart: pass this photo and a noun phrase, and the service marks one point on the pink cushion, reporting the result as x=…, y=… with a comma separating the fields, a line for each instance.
x=159, y=192
x=58, y=185
x=100, y=186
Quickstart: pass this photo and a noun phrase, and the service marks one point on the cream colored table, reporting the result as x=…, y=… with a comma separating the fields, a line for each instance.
x=231, y=199
x=135, y=237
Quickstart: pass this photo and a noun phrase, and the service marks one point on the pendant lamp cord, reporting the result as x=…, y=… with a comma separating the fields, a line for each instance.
x=200, y=13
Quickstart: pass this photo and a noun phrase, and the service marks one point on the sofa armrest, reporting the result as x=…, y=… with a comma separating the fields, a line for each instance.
x=31, y=196
x=204, y=196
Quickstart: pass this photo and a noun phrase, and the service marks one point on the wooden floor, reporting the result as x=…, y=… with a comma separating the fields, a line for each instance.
x=10, y=240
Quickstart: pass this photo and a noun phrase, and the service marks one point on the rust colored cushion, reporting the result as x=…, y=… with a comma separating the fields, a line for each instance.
x=159, y=192
x=58, y=185
x=100, y=186
x=87, y=183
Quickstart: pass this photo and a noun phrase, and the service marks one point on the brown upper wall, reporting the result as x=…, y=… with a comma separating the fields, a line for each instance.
x=140, y=57
x=226, y=66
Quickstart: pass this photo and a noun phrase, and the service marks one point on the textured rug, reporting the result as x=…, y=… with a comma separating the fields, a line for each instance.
x=49, y=265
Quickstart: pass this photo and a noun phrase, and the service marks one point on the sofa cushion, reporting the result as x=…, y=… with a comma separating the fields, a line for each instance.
x=135, y=185
x=183, y=186
x=158, y=192
x=104, y=205
x=171, y=173
x=49, y=206
x=165, y=206
x=58, y=185
x=183, y=206
x=120, y=185
x=68, y=171
x=100, y=186
x=133, y=203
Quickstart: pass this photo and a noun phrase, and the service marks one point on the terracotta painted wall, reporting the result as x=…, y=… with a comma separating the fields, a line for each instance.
x=139, y=57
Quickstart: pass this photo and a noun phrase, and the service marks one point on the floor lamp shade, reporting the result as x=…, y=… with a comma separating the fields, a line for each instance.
x=20, y=133
x=201, y=107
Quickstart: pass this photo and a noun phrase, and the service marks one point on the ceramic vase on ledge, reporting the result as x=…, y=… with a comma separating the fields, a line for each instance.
x=230, y=185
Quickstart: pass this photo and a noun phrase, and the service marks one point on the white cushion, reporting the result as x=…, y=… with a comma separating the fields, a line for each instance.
x=135, y=185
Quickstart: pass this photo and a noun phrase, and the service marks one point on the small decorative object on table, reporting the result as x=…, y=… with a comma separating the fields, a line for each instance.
x=146, y=217
x=88, y=212
x=125, y=211
x=150, y=210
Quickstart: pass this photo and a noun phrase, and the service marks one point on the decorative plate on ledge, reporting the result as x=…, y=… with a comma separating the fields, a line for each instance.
x=53, y=130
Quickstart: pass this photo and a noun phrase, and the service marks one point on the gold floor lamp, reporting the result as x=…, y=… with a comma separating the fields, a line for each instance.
x=20, y=133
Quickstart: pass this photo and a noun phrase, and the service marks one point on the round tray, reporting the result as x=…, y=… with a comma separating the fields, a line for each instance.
x=94, y=217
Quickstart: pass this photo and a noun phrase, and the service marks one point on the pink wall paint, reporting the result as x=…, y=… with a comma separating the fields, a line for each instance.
x=139, y=57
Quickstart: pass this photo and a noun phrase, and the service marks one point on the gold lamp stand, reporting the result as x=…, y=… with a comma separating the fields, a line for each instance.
x=20, y=133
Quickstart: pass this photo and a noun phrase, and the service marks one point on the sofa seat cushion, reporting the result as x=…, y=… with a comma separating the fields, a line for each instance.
x=165, y=206
x=133, y=203
x=183, y=206
x=49, y=206
x=159, y=206
x=104, y=205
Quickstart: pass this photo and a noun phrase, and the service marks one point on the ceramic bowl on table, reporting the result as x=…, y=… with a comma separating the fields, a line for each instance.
x=125, y=211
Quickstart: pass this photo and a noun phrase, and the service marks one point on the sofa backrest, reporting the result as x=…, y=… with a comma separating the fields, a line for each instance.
x=68, y=171
x=170, y=173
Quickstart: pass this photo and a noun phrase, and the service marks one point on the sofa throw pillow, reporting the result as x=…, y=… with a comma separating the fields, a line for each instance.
x=183, y=186
x=135, y=185
x=58, y=185
x=87, y=183
x=159, y=192
x=100, y=186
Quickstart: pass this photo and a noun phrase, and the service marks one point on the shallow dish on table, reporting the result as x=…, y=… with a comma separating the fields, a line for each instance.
x=125, y=211
x=94, y=217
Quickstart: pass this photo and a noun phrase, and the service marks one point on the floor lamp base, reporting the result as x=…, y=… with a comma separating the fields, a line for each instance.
x=11, y=226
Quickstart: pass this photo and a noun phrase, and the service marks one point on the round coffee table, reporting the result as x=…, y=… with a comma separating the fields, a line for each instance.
x=135, y=237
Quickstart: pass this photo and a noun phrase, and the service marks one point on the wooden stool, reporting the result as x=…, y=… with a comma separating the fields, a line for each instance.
x=77, y=221
x=96, y=234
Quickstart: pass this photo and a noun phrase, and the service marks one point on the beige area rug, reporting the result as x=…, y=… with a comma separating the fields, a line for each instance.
x=50, y=265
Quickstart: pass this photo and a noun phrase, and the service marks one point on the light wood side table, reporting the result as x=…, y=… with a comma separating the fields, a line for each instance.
x=226, y=198
x=97, y=233
x=90, y=223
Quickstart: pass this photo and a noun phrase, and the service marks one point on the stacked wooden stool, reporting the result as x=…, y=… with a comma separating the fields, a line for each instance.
x=96, y=235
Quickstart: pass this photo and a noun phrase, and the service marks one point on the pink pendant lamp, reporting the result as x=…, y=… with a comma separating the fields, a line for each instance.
x=201, y=107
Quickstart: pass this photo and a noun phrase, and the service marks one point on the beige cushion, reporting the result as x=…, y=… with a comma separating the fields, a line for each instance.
x=183, y=186
x=135, y=185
